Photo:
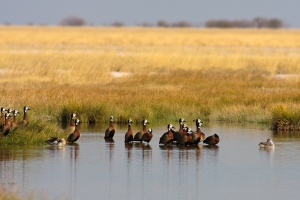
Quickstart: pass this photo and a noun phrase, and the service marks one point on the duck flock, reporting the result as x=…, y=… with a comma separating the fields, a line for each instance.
x=6, y=125
x=184, y=136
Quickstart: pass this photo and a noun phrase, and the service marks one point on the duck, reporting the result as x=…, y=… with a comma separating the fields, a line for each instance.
x=14, y=124
x=167, y=137
x=110, y=131
x=212, y=140
x=73, y=137
x=186, y=138
x=147, y=136
x=53, y=141
x=7, y=125
x=25, y=117
x=177, y=134
x=71, y=128
x=138, y=135
x=129, y=133
x=268, y=144
x=200, y=136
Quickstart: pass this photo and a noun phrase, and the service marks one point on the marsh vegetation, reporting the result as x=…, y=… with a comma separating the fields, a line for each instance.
x=155, y=73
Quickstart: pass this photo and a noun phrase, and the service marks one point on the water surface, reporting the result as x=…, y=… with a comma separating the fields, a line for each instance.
x=96, y=169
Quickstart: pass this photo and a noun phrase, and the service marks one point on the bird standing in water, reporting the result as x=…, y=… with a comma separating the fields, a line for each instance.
x=138, y=135
x=73, y=137
x=147, y=136
x=110, y=131
x=129, y=133
x=167, y=137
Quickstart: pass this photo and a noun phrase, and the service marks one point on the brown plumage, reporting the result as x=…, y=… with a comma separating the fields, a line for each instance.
x=7, y=125
x=177, y=134
x=147, y=136
x=186, y=137
x=14, y=123
x=110, y=131
x=198, y=134
x=167, y=137
x=212, y=140
x=25, y=117
x=138, y=135
x=129, y=133
x=73, y=137
x=71, y=128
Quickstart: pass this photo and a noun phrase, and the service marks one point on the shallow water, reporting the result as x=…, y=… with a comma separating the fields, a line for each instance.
x=95, y=169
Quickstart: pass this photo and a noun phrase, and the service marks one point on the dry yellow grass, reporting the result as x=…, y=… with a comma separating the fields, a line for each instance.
x=233, y=75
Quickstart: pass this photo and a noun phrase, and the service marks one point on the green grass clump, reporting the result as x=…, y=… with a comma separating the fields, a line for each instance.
x=286, y=117
x=34, y=134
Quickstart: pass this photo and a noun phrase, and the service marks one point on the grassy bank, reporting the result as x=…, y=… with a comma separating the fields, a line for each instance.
x=158, y=74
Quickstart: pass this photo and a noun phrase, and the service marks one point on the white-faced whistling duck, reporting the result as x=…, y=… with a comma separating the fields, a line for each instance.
x=110, y=131
x=268, y=144
x=129, y=133
x=186, y=137
x=14, y=123
x=138, y=135
x=167, y=137
x=7, y=125
x=73, y=137
x=200, y=136
x=72, y=123
x=212, y=140
x=25, y=117
x=178, y=134
x=9, y=111
x=56, y=141
x=147, y=136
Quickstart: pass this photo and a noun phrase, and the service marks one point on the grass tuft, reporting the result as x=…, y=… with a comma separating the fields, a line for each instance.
x=35, y=133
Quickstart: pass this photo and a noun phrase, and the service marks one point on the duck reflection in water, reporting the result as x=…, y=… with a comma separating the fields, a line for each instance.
x=129, y=147
x=74, y=151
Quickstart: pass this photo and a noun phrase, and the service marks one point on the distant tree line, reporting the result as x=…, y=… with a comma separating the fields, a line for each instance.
x=258, y=22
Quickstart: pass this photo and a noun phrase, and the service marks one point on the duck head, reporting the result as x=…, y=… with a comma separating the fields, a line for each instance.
x=181, y=120
x=26, y=108
x=15, y=112
x=145, y=122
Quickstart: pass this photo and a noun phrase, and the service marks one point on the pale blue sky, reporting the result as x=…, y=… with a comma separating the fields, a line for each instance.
x=132, y=12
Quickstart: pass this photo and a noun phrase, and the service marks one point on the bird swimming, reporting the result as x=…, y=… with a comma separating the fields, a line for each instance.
x=53, y=141
x=212, y=140
x=268, y=144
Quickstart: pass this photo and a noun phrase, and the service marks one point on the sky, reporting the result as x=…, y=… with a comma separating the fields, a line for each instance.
x=133, y=12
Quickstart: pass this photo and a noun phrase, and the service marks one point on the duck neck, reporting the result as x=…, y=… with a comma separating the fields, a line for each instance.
x=72, y=122
x=25, y=116
x=180, y=127
x=198, y=129
x=15, y=119
x=129, y=127
x=111, y=125
x=145, y=127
